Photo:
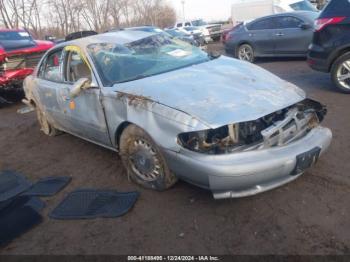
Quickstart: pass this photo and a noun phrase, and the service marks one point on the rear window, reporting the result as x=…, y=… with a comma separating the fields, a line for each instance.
x=14, y=36
x=303, y=6
x=336, y=8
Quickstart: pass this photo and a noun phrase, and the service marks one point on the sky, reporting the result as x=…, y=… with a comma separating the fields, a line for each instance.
x=206, y=9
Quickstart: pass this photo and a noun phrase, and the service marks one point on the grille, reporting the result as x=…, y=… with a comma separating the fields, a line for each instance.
x=22, y=61
x=215, y=29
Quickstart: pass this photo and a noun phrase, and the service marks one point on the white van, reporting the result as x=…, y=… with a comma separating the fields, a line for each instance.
x=247, y=10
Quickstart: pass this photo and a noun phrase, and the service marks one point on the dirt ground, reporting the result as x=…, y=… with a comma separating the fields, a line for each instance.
x=308, y=216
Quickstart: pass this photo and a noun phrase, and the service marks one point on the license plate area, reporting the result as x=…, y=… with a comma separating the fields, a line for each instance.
x=306, y=160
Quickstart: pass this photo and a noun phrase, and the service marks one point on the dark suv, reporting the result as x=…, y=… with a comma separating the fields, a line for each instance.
x=330, y=48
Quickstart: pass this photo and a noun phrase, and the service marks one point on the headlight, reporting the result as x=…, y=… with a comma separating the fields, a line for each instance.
x=211, y=141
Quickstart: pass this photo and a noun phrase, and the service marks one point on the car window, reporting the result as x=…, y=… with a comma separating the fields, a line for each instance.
x=76, y=67
x=179, y=25
x=262, y=24
x=187, y=24
x=303, y=5
x=50, y=69
x=13, y=36
x=288, y=22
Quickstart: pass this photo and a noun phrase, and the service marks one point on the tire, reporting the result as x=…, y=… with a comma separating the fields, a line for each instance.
x=340, y=73
x=45, y=126
x=143, y=160
x=245, y=52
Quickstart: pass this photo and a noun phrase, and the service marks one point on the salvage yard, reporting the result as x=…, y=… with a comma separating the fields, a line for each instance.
x=307, y=216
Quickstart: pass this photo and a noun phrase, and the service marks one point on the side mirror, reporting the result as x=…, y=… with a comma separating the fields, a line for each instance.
x=81, y=84
x=305, y=26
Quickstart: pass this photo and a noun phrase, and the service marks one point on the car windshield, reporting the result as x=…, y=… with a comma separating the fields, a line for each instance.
x=149, y=56
x=303, y=6
x=10, y=36
x=199, y=22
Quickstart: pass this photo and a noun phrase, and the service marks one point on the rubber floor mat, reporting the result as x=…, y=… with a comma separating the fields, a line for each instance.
x=48, y=186
x=15, y=223
x=88, y=203
x=20, y=201
x=12, y=184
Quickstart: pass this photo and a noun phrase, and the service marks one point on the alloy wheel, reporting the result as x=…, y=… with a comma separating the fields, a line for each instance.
x=343, y=74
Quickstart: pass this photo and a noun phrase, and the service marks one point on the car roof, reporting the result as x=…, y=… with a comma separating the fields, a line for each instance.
x=120, y=37
x=303, y=14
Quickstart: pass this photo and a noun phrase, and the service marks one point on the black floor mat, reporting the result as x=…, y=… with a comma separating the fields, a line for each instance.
x=20, y=201
x=88, y=203
x=17, y=222
x=48, y=186
x=12, y=184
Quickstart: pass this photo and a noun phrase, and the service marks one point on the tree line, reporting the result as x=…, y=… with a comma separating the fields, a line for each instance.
x=61, y=17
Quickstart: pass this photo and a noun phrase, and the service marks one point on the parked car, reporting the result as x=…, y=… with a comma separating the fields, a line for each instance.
x=175, y=112
x=211, y=32
x=191, y=39
x=330, y=48
x=19, y=54
x=196, y=33
x=248, y=10
x=287, y=34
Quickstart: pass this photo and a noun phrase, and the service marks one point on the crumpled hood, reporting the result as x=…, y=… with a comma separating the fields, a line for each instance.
x=222, y=91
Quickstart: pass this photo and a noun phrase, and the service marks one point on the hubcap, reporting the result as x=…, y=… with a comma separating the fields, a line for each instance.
x=343, y=74
x=245, y=53
x=144, y=161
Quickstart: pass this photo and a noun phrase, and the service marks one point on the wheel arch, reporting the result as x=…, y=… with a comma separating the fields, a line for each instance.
x=119, y=131
x=336, y=55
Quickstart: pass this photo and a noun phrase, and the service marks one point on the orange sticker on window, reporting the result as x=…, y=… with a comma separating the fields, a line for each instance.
x=72, y=105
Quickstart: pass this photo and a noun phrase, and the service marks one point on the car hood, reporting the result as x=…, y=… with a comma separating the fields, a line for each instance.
x=219, y=92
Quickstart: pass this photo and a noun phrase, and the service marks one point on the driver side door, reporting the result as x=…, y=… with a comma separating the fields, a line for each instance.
x=84, y=113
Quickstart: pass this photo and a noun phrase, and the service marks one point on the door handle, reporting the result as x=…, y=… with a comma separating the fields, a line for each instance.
x=279, y=34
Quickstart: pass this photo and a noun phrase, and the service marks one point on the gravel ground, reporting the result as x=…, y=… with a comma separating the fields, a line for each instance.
x=308, y=216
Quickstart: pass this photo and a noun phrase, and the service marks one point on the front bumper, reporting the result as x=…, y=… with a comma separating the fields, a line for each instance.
x=246, y=173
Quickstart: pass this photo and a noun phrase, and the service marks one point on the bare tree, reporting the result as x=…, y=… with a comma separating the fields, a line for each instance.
x=61, y=17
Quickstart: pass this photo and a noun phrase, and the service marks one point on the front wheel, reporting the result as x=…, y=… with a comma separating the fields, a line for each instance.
x=144, y=161
x=341, y=73
x=245, y=52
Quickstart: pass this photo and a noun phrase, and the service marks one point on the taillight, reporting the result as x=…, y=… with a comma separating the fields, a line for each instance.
x=227, y=36
x=323, y=22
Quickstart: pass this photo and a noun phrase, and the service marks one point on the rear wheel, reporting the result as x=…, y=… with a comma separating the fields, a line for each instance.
x=45, y=126
x=341, y=73
x=245, y=52
x=144, y=161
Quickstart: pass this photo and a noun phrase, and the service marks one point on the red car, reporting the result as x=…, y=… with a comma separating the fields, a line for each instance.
x=19, y=55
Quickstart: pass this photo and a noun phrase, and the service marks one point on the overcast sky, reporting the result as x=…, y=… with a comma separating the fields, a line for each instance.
x=206, y=9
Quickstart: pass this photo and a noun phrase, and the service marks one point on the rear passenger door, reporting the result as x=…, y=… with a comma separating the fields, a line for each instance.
x=291, y=37
x=48, y=81
x=261, y=34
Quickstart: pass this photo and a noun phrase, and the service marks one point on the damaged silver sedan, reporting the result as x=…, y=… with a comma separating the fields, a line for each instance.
x=174, y=112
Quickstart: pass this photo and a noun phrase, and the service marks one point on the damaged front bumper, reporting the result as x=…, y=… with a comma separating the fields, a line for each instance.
x=248, y=173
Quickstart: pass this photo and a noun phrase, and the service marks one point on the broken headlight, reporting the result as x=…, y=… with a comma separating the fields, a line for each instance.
x=225, y=139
